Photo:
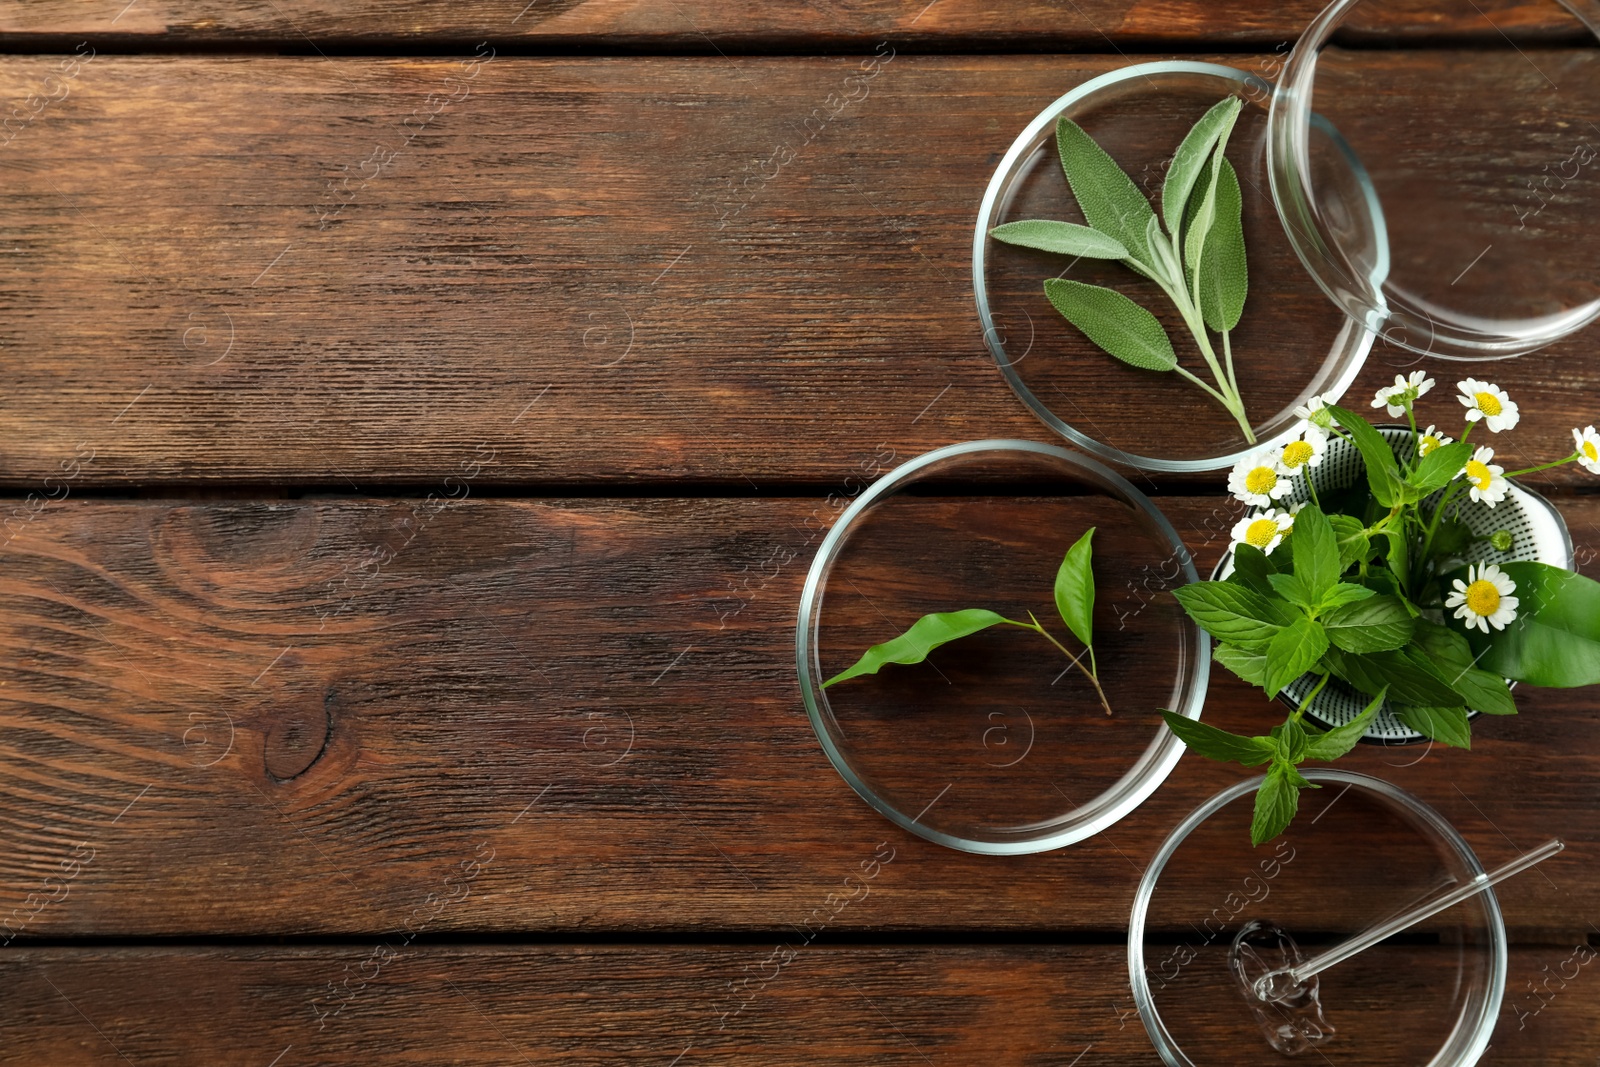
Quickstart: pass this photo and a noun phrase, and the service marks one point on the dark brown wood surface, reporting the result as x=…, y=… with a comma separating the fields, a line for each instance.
x=598, y=269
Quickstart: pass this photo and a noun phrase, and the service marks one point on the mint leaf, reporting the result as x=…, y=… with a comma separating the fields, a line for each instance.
x=925, y=635
x=1276, y=802
x=1110, y=201
x=1191, y=156
x=1295, y=650
x=1383, y=473
x=1223, y=276
x=1407, y=675
x=1291, y=739
x=1233, y=614
x=1447, y=725
x=1062, y=238
x=1342, y=594
x=1439, y=466
x=1292, y=589
x=1251, y=568
x=1450, y=654
x=1075, y=589
x=1315, y=552
x=1341, y=739
x=1351, y=537
x=1216, y=744
x=1115, y=323
x=1372, y=624
x=1251, y=666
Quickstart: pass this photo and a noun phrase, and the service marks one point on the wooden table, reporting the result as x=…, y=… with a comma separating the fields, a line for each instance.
x=389, y=423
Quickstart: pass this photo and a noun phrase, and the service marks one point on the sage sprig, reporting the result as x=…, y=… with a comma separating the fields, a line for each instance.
x=1194, y=252
x=1074, y=599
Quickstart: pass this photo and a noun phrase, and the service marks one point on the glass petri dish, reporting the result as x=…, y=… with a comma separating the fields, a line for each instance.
x=990, y=746
x=1289, y=345
x=1360, y=851
x=1446, y=196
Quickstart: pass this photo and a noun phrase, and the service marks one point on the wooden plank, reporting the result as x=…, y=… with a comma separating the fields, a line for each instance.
x=628, y=271
x=649, y=1004
x=702, y=25
x=313, y=716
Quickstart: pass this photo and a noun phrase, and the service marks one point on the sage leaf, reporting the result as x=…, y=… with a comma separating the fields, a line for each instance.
x=1111, y=202
x=1216, y=744
x=1439, y=466
x=1315, y=552
x=1383, y=473
x=925, y=635
x=1555, y=640
x=1191, y=157
x=1251, y=666
x=1295, y=650
x=1233, y=614
x=1447, y=725
x=1062, y=238
x=1075, y=589
x=1372, y=624
x=1276, y=802
x=1115, y=323
x=1341, y=739
x=1222, y=274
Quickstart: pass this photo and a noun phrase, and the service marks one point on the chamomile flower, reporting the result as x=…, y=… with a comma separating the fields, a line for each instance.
x=1488, y=480
x=1265, y=531
x=1588, y=443
x=1430, y=439
x=1403, y=393
x=1314, y=415
x=1489, y=403
x=1484, y=599
x=1258, y=479
x=1303, y=453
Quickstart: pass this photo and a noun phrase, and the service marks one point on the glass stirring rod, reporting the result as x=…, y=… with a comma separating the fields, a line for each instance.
x=1288, y=980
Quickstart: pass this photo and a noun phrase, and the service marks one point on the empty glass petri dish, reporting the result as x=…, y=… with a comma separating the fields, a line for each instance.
x=1446, y=196
x=1290, y=344
x=996, y=744
x=1211, y=909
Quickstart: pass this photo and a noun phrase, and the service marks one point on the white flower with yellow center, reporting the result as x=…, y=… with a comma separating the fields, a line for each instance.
x=1484, y=599
x=1303, y=453
x=1430, y=439
x=1258, y=479
x=1488, y=402
x=1588, y=443
x=1488, y=480
x=1403, y=393
x=1314, y=414
x=1265, y=531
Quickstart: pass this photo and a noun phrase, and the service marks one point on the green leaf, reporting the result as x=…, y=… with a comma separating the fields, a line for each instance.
x=1276, y=802
x=1192, y=156
x=1113, y=322
x=1351, y=537
x=1447, y=725
x=1407, y=675
x=1110, y=201
x=1555, y=640
x=1373, y=624
x=1451, y=540
x=1062, y=238
x=1341, y=739
x=1291, y=739
x=1216, y=744
x=1439, y=466
x=1383, y=473
x=1295, y=650
x=1251, y=666
x=1252, y=569
x=1292, y=589
x=1316, y=553
x=1223, y=272
x=1342, y=594
x=1075, y=589
x=1233, y=614
x=1452, y=656
x=925, y=635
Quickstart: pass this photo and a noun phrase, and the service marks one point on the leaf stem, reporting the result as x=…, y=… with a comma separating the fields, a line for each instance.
x=1094, y=678
x=1306, y=703
x=1544, y=467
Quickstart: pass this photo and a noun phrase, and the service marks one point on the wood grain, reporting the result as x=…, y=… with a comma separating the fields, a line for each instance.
x=229, y=271
x=314, y=716
x=647, y=1004
x=702, y=25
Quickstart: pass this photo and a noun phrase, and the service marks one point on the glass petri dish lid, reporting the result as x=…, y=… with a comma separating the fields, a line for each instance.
x=1290, y=344
x=1359, y=851
x=990, y=746
x=1444, y=192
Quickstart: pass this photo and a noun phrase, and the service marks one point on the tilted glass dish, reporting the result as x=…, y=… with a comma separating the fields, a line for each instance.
x=1289, y=345
x=990, y=746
